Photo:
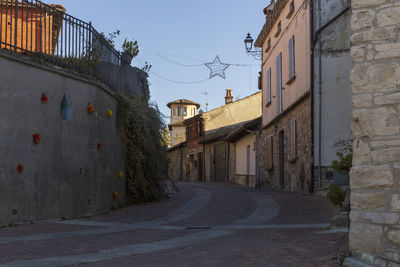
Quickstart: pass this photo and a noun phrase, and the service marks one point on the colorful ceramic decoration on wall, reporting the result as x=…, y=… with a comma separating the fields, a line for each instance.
x=109, y=113
x=120, y=174
x=99, y=145
x=44, y=98
x=20, y=168
x=90, y=108
x=36, y=138
x=115, y=195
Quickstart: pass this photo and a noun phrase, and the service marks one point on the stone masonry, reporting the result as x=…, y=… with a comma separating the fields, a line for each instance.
x=297, y=173
x=375, y=85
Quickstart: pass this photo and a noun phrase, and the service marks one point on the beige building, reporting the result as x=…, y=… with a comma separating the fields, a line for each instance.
x=219, y=154
x=180, y=110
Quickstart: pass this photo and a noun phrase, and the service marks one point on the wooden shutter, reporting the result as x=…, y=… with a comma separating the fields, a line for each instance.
x=279, y=83
x=270, y=156
x=269, y=85
x=293, y=140
x=291, y=58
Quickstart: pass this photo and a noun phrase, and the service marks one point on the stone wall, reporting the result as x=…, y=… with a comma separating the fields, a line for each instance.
x=297, y=172
x=176, y=157
x=75, y=168
x=375, y=84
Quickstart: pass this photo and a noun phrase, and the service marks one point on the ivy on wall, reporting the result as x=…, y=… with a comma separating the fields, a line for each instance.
x=145, y=152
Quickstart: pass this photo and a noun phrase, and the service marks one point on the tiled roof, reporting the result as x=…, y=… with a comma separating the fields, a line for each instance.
x=238, y=132
x=272, y=13
x=183, y=101
x=220, y=133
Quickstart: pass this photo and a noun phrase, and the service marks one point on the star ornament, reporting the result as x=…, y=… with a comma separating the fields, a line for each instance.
x=217, y=68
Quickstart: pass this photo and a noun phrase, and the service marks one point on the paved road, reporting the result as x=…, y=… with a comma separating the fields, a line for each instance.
x=205, y=225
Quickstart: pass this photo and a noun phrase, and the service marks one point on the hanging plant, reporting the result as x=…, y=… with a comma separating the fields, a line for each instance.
x=115, y=195
x=99, y=145
x=44, y=98
x=36, y=138
x=90, y=108
x=109, y=113
x=20, y=168
x=120, y=174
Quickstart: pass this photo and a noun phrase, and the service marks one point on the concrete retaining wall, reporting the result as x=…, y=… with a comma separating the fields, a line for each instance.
x=66, y=174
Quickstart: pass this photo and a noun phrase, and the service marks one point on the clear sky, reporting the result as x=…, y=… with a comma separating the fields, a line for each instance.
x=186, y=32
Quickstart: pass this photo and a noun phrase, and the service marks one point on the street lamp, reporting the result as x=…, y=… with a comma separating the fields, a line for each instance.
x=248, y=42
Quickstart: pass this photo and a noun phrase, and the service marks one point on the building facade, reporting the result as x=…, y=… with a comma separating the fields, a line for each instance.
x=306, y=101
x=180, y=110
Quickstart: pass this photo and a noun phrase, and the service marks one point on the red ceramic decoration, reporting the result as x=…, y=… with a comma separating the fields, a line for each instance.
x=99, y=145
x=44, y=98
x=20, y=168
x=90, y=108
x=36, y=138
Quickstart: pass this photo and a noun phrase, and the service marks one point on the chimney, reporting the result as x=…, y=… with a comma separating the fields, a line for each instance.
x=228, y=97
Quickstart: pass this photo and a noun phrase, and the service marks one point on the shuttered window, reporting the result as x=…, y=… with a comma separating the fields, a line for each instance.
x=279, y=83
x=269, y=86
x=293, y=141
x=291, y=58
x=270, y=151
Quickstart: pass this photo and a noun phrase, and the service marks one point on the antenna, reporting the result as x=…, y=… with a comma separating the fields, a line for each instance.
x=206, y=94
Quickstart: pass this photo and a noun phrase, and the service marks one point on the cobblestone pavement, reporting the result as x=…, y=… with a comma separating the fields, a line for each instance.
x=205, y=225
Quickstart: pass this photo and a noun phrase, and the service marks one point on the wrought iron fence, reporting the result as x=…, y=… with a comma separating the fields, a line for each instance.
x=47, y=33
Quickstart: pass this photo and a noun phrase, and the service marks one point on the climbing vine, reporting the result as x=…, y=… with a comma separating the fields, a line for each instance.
x=145, y=152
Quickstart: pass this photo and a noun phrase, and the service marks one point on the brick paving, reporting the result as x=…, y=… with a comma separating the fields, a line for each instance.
x=187, y=242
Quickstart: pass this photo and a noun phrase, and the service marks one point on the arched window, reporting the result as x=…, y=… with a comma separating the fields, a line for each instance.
x=65, y=109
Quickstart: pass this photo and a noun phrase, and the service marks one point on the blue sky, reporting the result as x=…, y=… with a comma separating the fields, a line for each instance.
x=186, y=32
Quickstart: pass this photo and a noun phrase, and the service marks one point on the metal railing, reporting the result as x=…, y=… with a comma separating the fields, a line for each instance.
x=47, y=33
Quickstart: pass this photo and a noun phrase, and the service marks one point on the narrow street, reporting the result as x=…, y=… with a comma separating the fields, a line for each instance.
x=204, y=225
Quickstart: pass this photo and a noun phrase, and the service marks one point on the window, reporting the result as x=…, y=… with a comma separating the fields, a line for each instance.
x=269, y=86
x=291, y=10
x=270, y=152
x=291, y=60
x=179, y=111
x=65, y=109
x=279, y=29
x=293, y=141
x=184, y=111
x=279, y=83
x=268, y=46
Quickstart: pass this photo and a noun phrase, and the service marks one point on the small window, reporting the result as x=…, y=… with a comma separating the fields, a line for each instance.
x=291, y=10
x=179, y=111
x=65, y=109
x=291, y=60
x=269, y=86
x=184, y=111
x=268, y=46
x=279, y=29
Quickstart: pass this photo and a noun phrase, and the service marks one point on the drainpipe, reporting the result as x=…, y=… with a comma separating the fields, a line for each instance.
x=319, y=95
x=312, y=94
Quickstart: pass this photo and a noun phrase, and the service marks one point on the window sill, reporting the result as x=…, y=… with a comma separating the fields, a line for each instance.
x=268, y=104
x=293, y=160
x=291, y=80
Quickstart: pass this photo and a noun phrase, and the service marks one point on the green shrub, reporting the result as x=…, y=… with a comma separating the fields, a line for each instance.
x=336, y=195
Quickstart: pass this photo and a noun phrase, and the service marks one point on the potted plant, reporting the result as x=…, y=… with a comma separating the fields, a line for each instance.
x=130, y=49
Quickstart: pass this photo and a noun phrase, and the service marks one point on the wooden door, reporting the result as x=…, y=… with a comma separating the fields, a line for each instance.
x=282, y=159
x=220, y=162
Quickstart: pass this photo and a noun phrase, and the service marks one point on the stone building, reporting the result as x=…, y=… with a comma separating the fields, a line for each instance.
x=374, y=178
x=305, y=106
x=180, y=110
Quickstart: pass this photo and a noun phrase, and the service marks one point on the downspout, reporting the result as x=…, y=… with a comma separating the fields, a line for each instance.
x=319, y=95
x=312, y=94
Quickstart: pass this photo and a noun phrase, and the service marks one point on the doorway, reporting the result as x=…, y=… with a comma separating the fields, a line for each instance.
x=219, y=162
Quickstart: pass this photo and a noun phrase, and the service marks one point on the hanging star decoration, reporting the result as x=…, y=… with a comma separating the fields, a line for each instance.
x=217, y=68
